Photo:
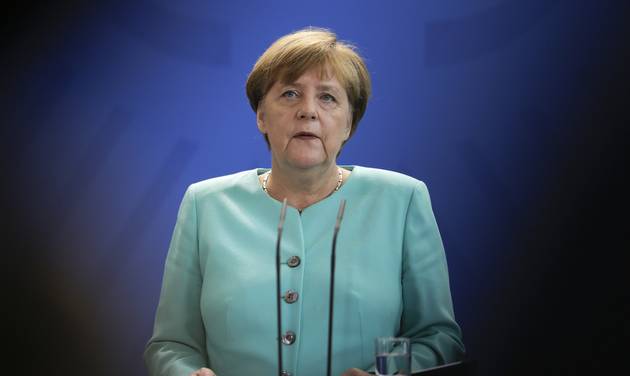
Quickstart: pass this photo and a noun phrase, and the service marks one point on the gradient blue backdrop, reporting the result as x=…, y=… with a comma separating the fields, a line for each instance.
x=113, y=108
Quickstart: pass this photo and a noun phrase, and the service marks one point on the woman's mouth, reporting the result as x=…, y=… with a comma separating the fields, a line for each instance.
x=305, y=136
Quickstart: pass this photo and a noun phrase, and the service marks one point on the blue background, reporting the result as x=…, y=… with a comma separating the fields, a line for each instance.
x=513, y=113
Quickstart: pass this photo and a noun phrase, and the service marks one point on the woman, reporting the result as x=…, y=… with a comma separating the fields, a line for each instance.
x=217, y=309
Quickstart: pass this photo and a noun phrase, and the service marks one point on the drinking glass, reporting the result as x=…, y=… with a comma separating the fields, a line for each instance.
x=393, y=356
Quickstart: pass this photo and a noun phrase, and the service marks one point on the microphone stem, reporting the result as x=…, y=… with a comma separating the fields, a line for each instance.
x=333, y=257
x=283, y=213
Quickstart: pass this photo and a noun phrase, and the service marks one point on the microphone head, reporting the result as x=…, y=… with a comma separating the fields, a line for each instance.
x=342, y=207
x=283, y=214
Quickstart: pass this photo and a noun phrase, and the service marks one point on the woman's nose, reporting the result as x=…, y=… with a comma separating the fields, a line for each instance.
x=307, y=115
x=307, y=110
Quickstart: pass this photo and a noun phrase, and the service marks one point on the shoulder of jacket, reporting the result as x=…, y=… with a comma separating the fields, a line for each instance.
x=391, y=179
x=220, y=184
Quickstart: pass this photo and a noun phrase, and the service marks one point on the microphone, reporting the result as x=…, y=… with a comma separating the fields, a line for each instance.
x=342, y=207
x=283, y=214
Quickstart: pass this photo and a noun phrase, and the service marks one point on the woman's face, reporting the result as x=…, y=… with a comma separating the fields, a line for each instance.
x=306, y=121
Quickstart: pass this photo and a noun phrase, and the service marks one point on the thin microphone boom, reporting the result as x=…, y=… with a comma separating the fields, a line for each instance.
x=342, y=207
x=283, y=213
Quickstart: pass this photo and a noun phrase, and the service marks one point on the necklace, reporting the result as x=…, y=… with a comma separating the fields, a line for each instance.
x=339, y=180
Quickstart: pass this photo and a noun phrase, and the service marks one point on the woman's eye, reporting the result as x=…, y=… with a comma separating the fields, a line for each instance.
x=289, y=94
x=328, y=98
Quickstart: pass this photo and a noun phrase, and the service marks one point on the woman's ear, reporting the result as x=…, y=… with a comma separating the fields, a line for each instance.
x=347, y=130
x=260, y=119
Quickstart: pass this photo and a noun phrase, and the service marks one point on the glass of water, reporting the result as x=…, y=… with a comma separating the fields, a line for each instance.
x=393, y=356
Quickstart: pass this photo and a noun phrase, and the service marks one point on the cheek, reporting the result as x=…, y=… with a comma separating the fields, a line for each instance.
x=344, y=124
x=277, y=131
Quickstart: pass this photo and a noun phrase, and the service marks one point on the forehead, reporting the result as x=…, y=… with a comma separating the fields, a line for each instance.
x=321, y=75
x=311, y=79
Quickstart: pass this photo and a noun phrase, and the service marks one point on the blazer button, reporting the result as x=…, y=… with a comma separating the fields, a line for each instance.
x=288, y=338
x=293, y=261
x=291, y=296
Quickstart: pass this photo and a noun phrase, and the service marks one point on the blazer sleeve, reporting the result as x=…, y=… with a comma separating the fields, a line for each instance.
x=177, y=346
x=428, y=319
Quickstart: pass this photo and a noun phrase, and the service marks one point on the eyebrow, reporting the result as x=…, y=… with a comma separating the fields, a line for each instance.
x=328, y=88
x=321, y=87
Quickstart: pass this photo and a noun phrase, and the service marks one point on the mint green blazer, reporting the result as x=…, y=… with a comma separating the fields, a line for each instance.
x=217, y=306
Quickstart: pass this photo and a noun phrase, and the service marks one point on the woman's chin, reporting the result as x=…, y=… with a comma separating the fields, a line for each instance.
x=307, y=162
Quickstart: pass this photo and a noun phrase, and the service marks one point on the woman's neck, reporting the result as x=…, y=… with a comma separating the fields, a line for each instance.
x=302, y=187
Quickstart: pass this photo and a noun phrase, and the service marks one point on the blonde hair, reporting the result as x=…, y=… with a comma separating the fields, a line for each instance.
x=293, y=54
